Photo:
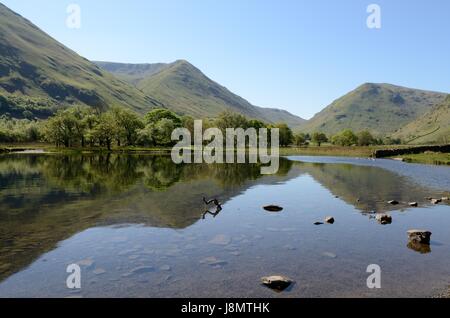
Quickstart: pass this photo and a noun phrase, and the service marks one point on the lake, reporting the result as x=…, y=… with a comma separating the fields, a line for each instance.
x=136, y=225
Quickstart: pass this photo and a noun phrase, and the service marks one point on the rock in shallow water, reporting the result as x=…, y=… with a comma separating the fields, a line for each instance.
x=329, y=219
x=276, y=282
x=220, y=240
x=139, y=270
x=419, y=247
x=213, y=261
x=384, y=219
x=329, y=254
x=419, y=236
x=413, y=204
x=393, y=202
x=165, y=268
x=88, y=263
x=273, y=208
x=99, y=271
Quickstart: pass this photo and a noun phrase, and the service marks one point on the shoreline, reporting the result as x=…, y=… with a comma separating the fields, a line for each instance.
x=430, y=158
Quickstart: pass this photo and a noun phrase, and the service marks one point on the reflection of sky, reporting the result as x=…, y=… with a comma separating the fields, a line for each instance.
x=428, y=175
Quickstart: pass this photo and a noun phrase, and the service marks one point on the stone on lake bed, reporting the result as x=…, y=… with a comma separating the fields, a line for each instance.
x=220, y=239
x=99, y=271
x=419, y=236
x=88, y=263
x=393, y=202
x=273, y=208
x=165, y=268
x=139, y=270
x=329, y=219
x=213, y=261
x=419, y=247
x=276, y=282
x=384, y=218
x=413, y=204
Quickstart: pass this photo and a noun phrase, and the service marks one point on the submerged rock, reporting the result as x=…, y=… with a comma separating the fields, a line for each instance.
x=220, y=239
x=165, y=268
x=413, y=204
x=318, y=223
x=384, y=219
x=139, y=270
x=99, y=271
x=329, y=254
x=212, y=261
x=276, y=282
x=419, y=247
x=393, y=202
x=419, y=236
x=273, y=208
x=88, y=263
x=329, y=219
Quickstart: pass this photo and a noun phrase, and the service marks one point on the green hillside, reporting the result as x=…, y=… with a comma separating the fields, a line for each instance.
x=132, y=73
x=184, y=89
x=434, y=126
x=40, y=75
x=380, y=108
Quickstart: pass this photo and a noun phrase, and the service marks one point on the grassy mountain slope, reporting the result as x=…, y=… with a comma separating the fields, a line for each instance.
x=186, y=90
x=434, y=126
x=39, y=74
x=380, y=108
x=132, y=73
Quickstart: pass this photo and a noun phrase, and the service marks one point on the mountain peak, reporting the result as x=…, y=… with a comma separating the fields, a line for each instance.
x=184, y=88
x=41, y=75
x=182, y=62
x=378, y=107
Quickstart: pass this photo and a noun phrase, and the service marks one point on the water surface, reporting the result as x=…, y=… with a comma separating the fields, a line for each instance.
x=136, y=226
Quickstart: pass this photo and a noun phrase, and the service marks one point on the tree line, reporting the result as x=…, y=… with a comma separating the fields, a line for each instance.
x=86, y=127
x=344, y=138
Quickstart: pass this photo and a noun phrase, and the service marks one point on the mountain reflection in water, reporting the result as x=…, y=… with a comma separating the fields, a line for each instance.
x=45, y=199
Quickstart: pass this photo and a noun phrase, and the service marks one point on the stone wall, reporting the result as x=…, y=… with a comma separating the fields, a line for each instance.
x=382, y=153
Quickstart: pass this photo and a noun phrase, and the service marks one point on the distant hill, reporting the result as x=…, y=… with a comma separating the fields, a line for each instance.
x=380, y=108
x=434, y=126
x=184, y=89
x=40, y=75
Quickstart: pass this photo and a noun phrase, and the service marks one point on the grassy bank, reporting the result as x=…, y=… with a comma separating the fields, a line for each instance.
x=434, y=158
x=285, y=151
x=327, y=150
x=5, y=148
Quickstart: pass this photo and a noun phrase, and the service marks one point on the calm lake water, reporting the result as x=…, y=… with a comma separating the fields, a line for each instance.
x=135, y=225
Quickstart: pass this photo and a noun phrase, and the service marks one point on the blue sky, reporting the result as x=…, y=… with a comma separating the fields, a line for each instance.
x=296, y=55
